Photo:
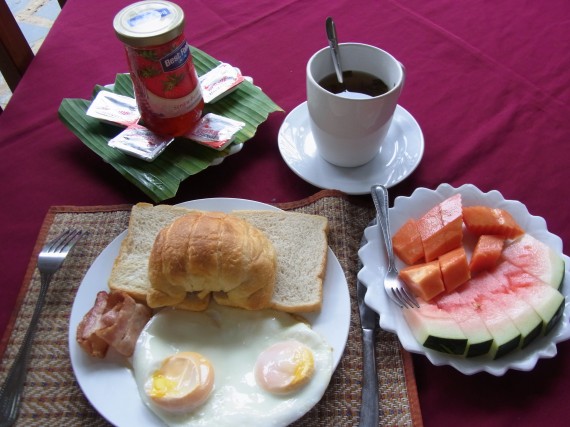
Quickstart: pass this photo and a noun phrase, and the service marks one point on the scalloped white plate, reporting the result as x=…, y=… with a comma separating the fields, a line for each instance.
x=374, y=262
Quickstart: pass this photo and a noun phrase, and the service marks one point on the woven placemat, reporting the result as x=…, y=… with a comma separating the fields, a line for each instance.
x=52, y=396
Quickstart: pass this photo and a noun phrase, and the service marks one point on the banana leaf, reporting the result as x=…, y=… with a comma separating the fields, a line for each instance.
x=161, y=178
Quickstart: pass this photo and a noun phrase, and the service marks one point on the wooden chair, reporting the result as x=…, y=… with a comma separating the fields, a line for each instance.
x=15, y=52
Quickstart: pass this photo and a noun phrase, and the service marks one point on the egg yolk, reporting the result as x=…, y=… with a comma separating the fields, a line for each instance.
x=182, y=383
x=284, y=367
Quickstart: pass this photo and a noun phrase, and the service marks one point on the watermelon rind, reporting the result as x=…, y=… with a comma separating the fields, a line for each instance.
x=556, y=318
x=436, y=329
x=549, y=305
x=525, y=318
x=452, y=345
x=558, y=271
x=478, y=347
x=479, y=340
x=546, y=301
x=558, y=267
x=494, y=286
x=506, y=336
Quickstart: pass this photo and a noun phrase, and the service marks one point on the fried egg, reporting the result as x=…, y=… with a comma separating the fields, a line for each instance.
x=226, y=366
x=182, y=383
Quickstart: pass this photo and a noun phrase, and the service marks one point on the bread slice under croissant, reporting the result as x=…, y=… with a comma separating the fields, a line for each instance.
x=212, y=252
x=299, y=239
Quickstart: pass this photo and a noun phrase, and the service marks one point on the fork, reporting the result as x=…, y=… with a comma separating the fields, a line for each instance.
x=395, y=288
x=50, y=260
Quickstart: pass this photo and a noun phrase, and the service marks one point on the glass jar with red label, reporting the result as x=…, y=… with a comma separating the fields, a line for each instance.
x=165, y=81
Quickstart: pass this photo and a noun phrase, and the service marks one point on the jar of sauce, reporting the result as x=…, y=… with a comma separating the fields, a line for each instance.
x=165, y=82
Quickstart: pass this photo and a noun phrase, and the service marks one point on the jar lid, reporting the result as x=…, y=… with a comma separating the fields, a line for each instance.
x=149, y=23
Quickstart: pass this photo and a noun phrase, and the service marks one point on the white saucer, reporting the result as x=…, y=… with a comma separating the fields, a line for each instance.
x=398, y=157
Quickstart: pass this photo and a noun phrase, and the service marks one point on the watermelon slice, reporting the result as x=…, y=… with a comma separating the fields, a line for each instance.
x=544, y=299
x=524, y=317
x=434, y=328
x=506, y=336
x=537, y=259
x=479, y=339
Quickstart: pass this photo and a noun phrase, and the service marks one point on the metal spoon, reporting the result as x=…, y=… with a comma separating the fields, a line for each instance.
x=333, y=42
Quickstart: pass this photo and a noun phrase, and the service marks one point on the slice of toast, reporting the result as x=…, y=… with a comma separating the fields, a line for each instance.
x=300, y=241
x=130, y=269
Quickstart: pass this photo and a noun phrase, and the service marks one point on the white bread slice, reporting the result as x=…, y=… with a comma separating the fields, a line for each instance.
x=130, y=269
x=300, y=241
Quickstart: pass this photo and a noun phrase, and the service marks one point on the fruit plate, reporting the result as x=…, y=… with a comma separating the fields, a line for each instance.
x=374, y=262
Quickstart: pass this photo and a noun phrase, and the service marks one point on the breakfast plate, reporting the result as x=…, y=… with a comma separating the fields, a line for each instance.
x=373, y=257
x=109, y=383
x=398, y=157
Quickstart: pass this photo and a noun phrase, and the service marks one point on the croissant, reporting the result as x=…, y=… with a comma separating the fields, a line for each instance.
x=212, y=253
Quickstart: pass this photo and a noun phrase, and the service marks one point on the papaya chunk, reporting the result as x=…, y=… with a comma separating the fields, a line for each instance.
x=441, y=228
x=454, y=268
x=407, y=243
x=451, y=209
x=481, y=220
x=487, y=252
x=424, y=280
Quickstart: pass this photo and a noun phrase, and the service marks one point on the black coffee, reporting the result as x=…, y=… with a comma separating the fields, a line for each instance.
x=355, y=81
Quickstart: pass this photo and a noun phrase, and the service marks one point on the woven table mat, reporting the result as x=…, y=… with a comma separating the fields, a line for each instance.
x=52, y=396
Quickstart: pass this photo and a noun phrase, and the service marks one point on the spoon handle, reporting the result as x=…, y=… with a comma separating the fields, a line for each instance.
x=333, y=42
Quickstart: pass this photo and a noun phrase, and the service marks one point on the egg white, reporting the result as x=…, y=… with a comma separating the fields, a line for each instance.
x=232, y=339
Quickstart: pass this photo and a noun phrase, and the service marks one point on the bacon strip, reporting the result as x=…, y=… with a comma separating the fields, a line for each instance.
x=116, y=320
x=87, y=328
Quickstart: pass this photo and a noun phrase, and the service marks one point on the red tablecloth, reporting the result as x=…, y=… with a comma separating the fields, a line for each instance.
x=487, y=81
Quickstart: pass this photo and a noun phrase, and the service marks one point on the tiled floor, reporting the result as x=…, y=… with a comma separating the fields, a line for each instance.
x=35, y=18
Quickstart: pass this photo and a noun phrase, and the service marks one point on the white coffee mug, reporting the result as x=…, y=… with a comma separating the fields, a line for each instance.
x=349, y=129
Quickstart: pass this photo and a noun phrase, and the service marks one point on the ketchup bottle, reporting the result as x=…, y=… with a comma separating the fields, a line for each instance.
x=166, y=85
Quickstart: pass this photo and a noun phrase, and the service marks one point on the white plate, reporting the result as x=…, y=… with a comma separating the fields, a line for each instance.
x=109, y=384
x=398, y=157
x=373, y=258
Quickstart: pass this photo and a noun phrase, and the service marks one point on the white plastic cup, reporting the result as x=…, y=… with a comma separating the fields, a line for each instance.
x=349, y=129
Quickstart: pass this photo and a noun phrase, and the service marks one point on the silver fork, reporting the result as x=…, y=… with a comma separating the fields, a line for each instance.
x=395, y=288
x=50, y=260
